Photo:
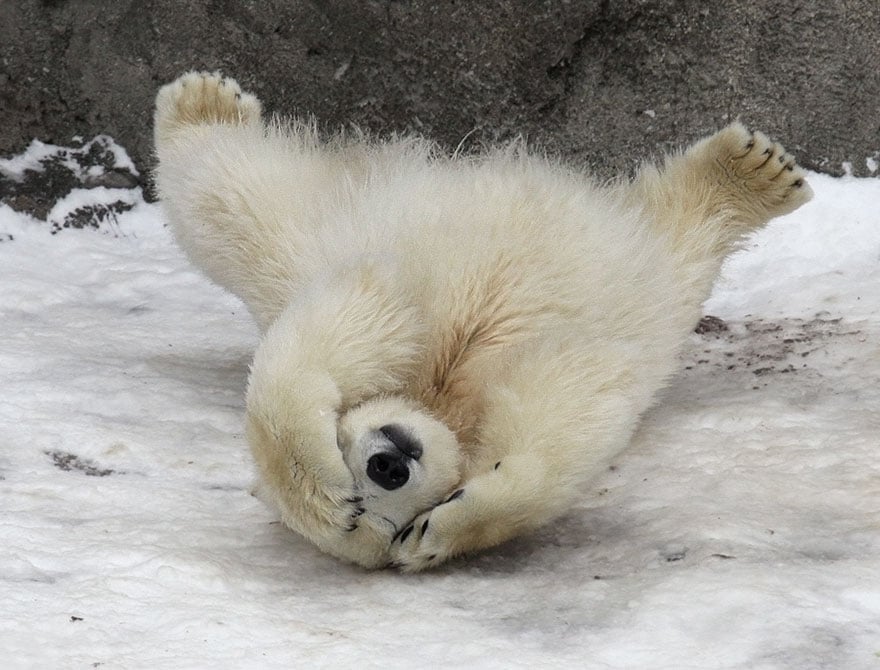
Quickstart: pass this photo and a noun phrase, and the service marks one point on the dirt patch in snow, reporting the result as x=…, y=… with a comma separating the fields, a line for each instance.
x=763, y=347
x=68, y=462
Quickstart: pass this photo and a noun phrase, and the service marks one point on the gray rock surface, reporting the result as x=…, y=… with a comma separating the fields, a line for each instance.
x=602, y=83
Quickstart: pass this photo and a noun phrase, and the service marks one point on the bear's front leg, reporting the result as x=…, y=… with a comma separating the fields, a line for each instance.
x=346, y=338
x=560, y=408
x=514, y=497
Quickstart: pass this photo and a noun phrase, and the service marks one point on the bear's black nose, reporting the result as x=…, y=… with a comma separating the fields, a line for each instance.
x=402, y=440
x=388, y=469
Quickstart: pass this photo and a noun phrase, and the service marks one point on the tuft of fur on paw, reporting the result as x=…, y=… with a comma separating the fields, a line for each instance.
x=202, y=98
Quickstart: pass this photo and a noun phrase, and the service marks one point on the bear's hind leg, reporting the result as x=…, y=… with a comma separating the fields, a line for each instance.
x=720, y=189
x=703, y=202
x=559, y=411
x=235, y=192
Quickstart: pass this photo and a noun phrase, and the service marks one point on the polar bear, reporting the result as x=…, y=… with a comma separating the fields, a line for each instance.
x=452, y=347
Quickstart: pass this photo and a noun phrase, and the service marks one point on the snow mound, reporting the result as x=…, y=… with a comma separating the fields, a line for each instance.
x=82, y=186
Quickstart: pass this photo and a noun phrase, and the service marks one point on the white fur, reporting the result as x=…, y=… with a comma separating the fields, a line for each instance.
x=514, y=316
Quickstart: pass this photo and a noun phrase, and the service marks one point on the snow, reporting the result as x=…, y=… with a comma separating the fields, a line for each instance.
x=34, y=156
x=740, y=530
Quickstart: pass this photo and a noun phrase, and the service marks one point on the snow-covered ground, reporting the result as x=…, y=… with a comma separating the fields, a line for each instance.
x=741, y=530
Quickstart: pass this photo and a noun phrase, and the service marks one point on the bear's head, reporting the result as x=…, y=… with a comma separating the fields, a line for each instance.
x=403, y=460
x=387, y=460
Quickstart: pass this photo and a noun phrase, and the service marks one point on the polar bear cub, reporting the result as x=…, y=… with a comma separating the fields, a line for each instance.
x=451, y=347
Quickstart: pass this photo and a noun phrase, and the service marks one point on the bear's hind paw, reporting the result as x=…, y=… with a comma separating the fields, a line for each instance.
x=763, y=180
x=199, y=98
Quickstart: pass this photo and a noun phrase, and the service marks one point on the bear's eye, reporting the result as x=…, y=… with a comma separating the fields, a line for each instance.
x=401, y=439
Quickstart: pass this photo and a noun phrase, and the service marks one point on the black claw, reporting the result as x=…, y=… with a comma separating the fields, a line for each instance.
x=352, y=527
x=798, y=183
x=455, y=495
x=394, y=565
x=354, y=500
x=402, y=534
x=405, y=534
x=425, y=527
x=498, y=465
x=432, y=557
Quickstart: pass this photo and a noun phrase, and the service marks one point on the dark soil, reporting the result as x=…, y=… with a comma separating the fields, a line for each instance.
x=71, y=462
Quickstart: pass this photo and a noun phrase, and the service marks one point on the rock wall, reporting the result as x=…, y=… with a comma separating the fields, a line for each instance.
x=605, y=83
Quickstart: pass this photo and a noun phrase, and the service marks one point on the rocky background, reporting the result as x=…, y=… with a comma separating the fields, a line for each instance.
x=604, y=83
